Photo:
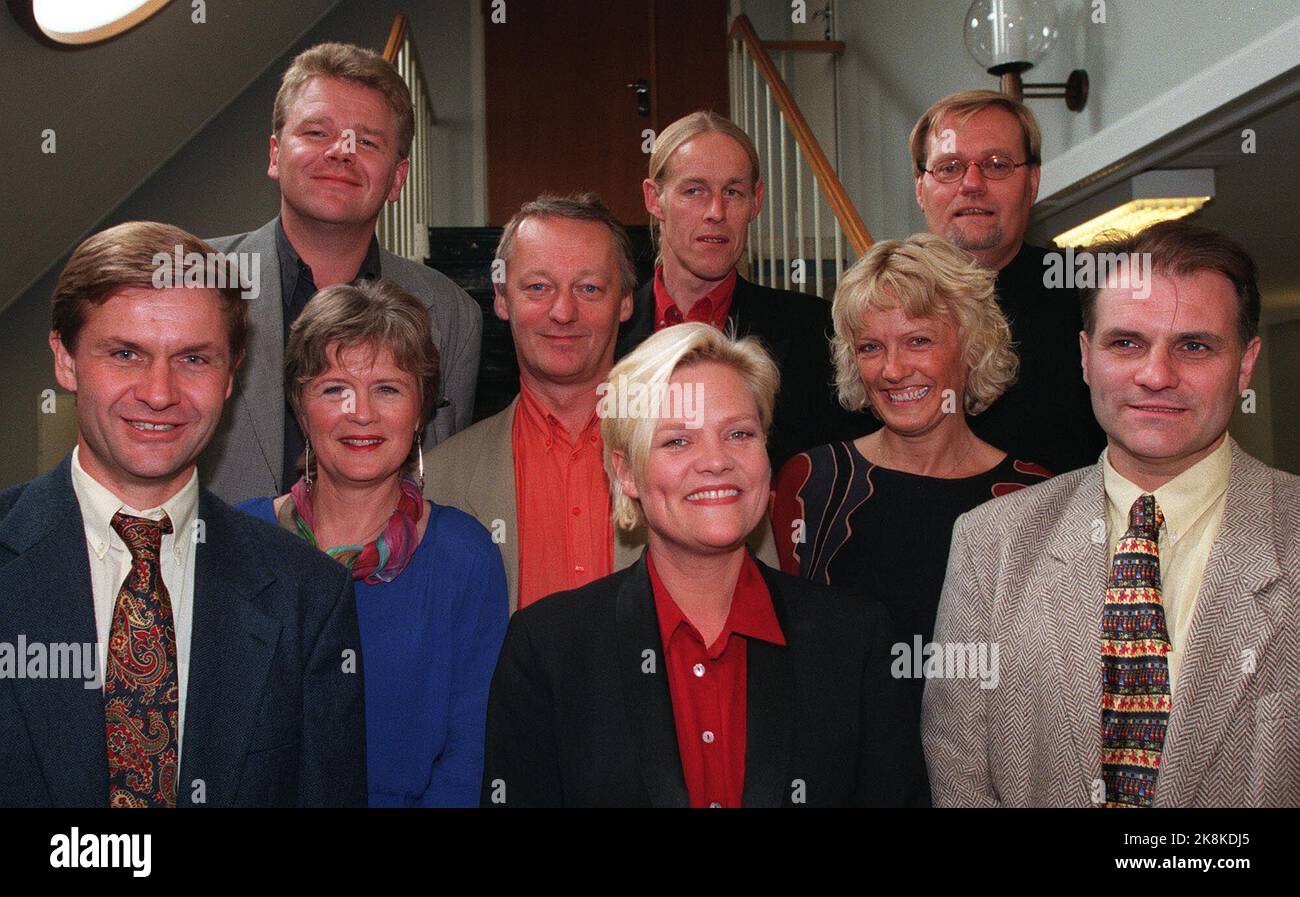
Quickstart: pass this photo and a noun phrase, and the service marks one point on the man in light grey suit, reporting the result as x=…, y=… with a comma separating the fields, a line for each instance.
x=1214, y=682
x=566, y=281
x=342, y=130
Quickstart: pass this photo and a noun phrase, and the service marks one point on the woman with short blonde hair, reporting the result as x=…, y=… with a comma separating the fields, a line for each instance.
x=706, y=678
x=921, y=341
x=647, y=371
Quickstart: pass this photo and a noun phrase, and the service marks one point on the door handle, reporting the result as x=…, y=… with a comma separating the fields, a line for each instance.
x=642, y=88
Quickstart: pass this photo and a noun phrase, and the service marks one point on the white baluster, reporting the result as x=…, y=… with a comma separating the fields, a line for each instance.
x=771, y=219
x=798, y=221
x=817, y=233
x=785, y=207
x=839, y=251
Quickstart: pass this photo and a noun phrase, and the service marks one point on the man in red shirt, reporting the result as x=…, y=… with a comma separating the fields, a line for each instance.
x=702, y=192
x=533, y=474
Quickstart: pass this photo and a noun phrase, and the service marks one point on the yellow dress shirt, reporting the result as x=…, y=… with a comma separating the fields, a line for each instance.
x=110, y=562
x=1192, y=503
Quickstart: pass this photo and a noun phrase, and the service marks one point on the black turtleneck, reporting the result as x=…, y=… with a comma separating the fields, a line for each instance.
x=1046, y=415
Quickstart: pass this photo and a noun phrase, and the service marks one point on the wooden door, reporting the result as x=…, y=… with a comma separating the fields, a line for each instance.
x=561, y=117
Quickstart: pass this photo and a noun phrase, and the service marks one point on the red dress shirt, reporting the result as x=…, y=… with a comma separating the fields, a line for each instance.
x=708, y=685
x=711, y=309
x=566, y=538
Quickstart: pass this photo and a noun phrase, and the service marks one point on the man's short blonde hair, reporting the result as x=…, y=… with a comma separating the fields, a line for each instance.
x=962, y=106
x=574, y=207
x=347, y=62
x=651, y=365
x=926, y=277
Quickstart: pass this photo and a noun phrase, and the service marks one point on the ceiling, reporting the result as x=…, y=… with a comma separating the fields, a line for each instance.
x=1257, y=200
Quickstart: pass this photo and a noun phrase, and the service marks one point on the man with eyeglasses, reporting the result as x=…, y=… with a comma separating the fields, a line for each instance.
x=977, y=156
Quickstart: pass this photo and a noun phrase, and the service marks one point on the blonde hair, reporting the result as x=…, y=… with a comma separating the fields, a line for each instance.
x=574, y=207
x=688, y=128
x=925, y=277
x=653, y=363
x=347, y=62
x=963, y=106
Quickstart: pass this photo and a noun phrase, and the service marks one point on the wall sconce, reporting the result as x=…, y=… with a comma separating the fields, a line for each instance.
x=1137, y=203
x=1009, y=37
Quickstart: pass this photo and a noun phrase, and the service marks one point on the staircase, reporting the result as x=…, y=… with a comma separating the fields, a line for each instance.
x=465, y=255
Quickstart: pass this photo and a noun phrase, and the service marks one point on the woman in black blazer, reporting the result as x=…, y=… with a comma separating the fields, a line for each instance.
x=698, y=676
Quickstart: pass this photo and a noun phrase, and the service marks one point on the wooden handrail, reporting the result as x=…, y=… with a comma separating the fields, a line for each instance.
x=836, y=196
x=834, y=47
x=395, y=37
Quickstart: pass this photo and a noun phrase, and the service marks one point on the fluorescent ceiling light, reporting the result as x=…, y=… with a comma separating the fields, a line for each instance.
x=1138, y=203
x=91, y=21
x=1130, y=218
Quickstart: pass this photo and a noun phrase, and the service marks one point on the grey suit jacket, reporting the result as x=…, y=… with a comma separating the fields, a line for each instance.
x=475, y=471
x=1027, y=572
x=272, y=717
x=245, y=457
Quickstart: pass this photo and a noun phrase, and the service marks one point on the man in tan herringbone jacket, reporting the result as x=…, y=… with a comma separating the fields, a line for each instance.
x=1169, y=344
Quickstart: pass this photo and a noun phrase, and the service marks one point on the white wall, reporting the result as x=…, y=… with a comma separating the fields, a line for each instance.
x=1143, y=61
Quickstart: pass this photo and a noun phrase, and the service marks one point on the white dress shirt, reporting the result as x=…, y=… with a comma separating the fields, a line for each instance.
x=110, y=562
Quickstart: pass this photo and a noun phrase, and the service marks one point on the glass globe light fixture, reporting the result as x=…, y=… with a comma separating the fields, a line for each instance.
x=1009, y=37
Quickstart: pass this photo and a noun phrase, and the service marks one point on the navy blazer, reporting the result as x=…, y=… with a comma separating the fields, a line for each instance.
x=795, y=329
x=580, y=712
x=271, y=716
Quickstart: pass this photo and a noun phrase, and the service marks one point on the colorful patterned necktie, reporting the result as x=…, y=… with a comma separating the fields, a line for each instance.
x=141, y=691
x=1134, y=645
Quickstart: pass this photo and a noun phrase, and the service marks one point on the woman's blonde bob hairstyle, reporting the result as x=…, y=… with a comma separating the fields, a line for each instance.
x=926, y=277
x=649, y=367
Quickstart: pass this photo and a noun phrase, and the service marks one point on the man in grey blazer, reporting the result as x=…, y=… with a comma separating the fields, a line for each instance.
x=1186, y=677
x=342, y=130
x=565, y=284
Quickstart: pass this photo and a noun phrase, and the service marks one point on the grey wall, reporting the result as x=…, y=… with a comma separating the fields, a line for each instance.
x=216, y=184
x=1284, y=374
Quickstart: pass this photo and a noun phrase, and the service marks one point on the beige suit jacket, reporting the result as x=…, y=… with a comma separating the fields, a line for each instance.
x=475, y=471
x=1028, y=573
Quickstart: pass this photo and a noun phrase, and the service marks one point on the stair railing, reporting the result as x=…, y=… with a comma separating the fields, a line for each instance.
x=782, y=139
x=403, y=227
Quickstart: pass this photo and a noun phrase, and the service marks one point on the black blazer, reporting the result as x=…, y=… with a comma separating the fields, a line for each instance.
x=580, y=712
x=271, y=718
x=795, y=329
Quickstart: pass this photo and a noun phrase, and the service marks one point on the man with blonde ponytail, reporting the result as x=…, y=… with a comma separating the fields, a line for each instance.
x=702, y=192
